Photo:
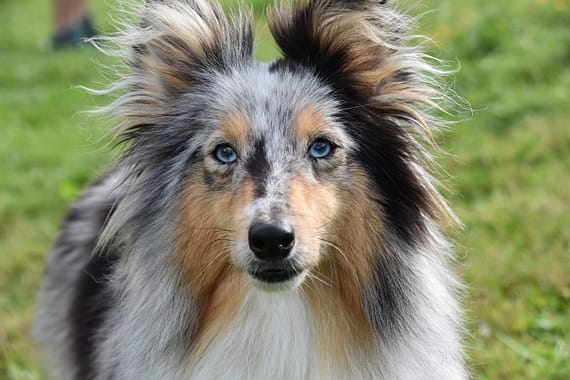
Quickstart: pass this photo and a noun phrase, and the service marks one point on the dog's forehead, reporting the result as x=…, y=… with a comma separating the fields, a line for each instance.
x=271, y=100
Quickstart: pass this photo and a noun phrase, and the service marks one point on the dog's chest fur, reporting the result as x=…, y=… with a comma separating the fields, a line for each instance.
x=271, y=337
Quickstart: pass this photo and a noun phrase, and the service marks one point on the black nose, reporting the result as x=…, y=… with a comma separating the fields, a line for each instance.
x=271, y=241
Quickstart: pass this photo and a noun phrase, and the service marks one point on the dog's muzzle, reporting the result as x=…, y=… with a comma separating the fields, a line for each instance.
x=272, y=243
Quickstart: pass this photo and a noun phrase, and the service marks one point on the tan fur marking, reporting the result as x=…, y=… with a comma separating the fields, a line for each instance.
x=342, y=331
x=199, y=234
x=223, y=305
x=313, y=206
x=169, y=76
x=197, y=32
x=235, y=128
x=308, y=123
x=334, y=289
x=204, y=253
x=360, y=229
x=343, y=224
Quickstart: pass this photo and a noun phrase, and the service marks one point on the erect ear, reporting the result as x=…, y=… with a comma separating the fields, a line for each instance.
x=179, y=42
x=358, y=43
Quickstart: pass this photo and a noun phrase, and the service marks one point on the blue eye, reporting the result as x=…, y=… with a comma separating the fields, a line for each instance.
x=225, y=153
x=320, y=148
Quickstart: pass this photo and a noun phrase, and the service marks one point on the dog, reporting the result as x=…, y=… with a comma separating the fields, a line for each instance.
x=265, y=220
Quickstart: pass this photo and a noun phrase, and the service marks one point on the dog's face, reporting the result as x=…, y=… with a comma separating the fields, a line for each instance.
x=306, y=166
x=270, y=172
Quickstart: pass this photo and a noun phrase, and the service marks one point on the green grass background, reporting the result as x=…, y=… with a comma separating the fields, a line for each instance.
x=509, y=166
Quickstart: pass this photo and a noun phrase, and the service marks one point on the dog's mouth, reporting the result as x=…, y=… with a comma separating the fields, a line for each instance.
x=275, y=275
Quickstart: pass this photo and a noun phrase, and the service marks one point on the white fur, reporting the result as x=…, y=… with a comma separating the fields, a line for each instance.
x=431, y=349
x=273, y=337
x=270, y=338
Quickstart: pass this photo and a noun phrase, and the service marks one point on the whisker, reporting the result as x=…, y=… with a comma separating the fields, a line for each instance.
x=200, y=228
x=318, y=278
x=217, y=258
x=343, y=255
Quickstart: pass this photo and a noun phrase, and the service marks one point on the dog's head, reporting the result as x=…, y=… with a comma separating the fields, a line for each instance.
x=305, y=166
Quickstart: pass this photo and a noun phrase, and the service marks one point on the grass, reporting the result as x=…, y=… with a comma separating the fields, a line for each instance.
x=509, y=165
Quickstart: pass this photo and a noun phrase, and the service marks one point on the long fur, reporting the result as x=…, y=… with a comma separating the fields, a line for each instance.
x=152, y=276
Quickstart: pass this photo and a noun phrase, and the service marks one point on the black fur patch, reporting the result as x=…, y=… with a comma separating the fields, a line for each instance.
x=92, y=296
x=92, y=301
x=258, y=167
x=387, y=154
x=388, y=303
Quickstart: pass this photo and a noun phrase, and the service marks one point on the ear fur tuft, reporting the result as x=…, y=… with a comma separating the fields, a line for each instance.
x=178, y=38
x=358, y=39
x=173, y=46
x=364, y=46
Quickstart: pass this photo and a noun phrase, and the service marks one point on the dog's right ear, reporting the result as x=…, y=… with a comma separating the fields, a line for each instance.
x=178, y=41
x=170, y=49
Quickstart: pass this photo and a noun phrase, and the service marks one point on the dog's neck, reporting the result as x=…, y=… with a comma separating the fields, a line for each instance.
x=289, y=334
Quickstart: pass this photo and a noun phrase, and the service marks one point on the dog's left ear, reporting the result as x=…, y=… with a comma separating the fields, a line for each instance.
x=173, y=47
x=356, y=44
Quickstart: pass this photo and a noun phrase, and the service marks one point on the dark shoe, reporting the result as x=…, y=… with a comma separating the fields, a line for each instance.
x=76, y=35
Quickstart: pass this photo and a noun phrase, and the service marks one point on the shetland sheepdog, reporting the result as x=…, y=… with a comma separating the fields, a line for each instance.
x=265, y=220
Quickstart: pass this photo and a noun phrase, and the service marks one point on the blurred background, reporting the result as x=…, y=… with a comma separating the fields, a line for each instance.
x=509, y=167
